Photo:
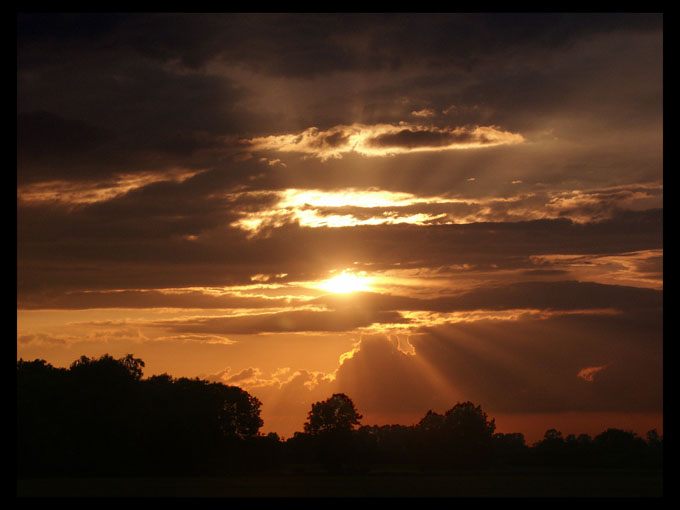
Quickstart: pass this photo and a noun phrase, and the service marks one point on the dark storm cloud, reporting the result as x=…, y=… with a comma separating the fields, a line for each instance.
x=160, y=212
x=128, y=94
x=411, y=139
x=45, y=135
x=308, y=44
x=144, y=81
x=120, y=115
x=299, y=320
x=446, y=50
x=50, y=147
x=66, y=26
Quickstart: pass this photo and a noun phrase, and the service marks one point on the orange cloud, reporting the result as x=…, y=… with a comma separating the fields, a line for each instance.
x=642, y=268
x=425, y=112
x=349, y=207
x=77, y=193
x=383, y=139
x=588, y=373
x=582, y=206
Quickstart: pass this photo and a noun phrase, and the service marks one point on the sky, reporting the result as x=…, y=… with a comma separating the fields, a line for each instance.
x=412, y=209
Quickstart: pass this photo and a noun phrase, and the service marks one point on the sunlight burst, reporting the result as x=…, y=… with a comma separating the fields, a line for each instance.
x=346, y=282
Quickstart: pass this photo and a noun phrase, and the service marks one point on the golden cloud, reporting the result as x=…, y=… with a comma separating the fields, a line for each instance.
x=642, y=268
x=588, y=373
x=354, y=207
x=76, y=193
x=383, y=139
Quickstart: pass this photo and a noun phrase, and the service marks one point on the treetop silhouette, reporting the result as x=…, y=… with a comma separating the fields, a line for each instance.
x=333, y=414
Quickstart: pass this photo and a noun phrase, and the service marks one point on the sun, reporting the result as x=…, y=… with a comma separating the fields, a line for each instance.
x=346, y=282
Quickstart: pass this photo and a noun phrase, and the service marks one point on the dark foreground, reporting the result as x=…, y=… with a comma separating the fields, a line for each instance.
x=486, y=484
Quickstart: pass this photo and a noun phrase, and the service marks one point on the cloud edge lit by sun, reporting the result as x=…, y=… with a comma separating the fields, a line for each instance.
x=383, y=139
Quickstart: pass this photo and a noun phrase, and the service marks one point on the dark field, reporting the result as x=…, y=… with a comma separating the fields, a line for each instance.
x=488, y=484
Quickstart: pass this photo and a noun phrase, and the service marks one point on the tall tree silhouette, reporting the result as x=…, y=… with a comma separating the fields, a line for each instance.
x=331, y=425
x=334, y=414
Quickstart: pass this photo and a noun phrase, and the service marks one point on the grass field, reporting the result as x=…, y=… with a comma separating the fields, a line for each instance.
x=485, y=484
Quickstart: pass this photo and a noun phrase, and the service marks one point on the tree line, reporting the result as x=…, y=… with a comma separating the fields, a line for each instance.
x=101, y=417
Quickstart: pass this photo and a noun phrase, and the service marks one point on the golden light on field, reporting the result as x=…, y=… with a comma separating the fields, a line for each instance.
x=346, y=282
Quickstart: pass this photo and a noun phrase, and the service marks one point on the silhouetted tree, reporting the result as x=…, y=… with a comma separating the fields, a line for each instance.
x=336, y=413
x=469, y=421
x=576, y=450
x=331, y=424
x=101, y=417
x=552, y=449
x=469, y=434
x=654, y=449
x=611, y=448
x=42, y=430
x=390, y=444
x=261, y=454
x=553, y=436
x=300, y=451
x=462, y=437
x=510, y=449
x=432, y=422
x=106, y=366
x=197, y=424
x=584, y=440
x=653, y=438
x=617, y=447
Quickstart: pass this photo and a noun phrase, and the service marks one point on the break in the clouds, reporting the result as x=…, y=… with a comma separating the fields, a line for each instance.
x=412, y=209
